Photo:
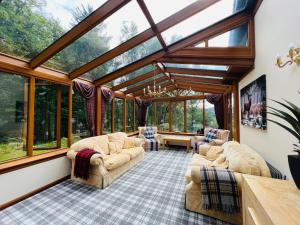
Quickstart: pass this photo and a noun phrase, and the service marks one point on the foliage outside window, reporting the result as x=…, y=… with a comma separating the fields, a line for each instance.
x=150, y=115
x=107, y=120
x=13, y=116
x=210, y=116
x=162, y=116
x=129, y=115
x=137, y=116
x=118, y=114
x=194, y=115
x=79, y=118
x=178, y=116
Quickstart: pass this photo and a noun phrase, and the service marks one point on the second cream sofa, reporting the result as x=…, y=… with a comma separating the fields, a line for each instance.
x=117, y=153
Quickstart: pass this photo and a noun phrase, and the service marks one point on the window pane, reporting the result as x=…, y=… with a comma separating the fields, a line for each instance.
x=64, y=115
x=137, y=116
x=130, y=76
x=45, y=115
x=197, y=66
x=233, y=38
x=107, y=120
x=118, y=114
x=162, y=116
x=210, y=116
x=198, y=76
x=13, y=116
x=129, y=115
x=194, y=115
x=136, y=53
x=124, y=24
x=28, y=27
x=178, y=116
x=149, y=116
x=158, y=8
x=199, y=21
x=79, y=119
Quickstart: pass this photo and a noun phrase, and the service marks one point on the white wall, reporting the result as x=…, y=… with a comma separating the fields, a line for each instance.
x=20, y=182
x=276, y=25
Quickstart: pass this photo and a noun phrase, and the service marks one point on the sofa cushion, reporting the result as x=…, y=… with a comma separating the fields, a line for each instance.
x=98, y=143
x=116, y=160
x=149, y=133
x=214, y=152
x=198, y=160
x=220, y=162
x=133, y=152
x=114, y=147
x=129, y=142
x=117, y=137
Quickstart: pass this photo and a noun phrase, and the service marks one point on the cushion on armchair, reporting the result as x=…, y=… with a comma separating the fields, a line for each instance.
x=149, y=133
x=212, y=134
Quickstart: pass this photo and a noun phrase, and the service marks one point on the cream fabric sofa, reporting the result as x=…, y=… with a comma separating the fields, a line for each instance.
x=222, y=137
x=117, y=153
x=232, y=155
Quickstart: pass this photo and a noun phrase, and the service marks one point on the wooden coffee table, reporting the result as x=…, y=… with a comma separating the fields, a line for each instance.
x=185, y=140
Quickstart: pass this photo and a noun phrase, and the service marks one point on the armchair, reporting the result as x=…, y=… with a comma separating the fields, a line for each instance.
x=150, y=144
x=222, y=137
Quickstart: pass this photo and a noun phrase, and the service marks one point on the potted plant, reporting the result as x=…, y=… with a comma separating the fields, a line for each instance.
x=292, y=117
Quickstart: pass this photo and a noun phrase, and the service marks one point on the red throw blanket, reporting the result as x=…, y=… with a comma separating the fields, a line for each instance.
x=82, y=163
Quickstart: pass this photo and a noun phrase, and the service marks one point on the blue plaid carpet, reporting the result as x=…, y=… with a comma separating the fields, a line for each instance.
x=150, y=193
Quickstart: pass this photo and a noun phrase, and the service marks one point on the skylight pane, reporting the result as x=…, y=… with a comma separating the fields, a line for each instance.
x=234, y=38
x=197, y=66
x=158, y=8
x=199, y=21
x=136, y=53
x=28, y=27
x=121, y=26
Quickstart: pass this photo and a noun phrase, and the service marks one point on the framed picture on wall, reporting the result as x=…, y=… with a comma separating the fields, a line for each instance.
x=253, y=104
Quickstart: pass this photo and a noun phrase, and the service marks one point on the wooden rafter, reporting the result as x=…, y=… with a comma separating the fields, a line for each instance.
x=141, y=91
x=203, y=88
x=210, y=73
x=184, y=82
x=166, y=75
x=140, y=87
x=211, y=86
x=152, y=24
x=231, y=21
x=144, y=36
x=79, y=30
x=135, y=80
x=196, y=79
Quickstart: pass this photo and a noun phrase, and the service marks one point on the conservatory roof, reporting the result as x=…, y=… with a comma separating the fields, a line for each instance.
x=125, y=43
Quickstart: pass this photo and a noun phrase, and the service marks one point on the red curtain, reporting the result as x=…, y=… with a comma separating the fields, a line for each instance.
x=89, y=93
x=106, y=98
x=217, y=101
x=143, y=106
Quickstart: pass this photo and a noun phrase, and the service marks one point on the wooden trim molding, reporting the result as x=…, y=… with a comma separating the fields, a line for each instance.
x=29, y=161
x=32, y=193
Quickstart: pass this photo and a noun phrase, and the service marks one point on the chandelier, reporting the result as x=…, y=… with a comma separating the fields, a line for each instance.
x=155, y=91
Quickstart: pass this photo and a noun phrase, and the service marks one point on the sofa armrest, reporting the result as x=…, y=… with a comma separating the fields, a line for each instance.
x=141, y=136
x=139, y=142
x=95, y=160
x=216, y=142
x=157, y=137
x=195, y=174
x=199, y=138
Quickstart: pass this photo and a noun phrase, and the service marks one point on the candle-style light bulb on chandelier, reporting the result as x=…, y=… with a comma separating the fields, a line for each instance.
x=155, y=91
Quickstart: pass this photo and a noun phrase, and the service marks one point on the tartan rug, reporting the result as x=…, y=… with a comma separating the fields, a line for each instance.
x=150, y=193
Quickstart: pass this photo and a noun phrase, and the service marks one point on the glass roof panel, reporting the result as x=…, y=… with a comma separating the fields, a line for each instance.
x=233, y=38
x=158, y=8
x=143, y=82
x=28, y=27
x=201, y=20
x=121, y=26
x=197, y=66
x=198, y=76
x=130, y=76
x=136, y=53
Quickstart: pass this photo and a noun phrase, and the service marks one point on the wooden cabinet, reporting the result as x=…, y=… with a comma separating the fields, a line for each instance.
x=269, y=201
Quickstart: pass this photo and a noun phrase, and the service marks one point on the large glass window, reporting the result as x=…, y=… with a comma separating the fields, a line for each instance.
x=210, y=116
x=129, y=115
x=178, y=116
x=28, y=27
x=107, y=120
x=118, y=114
x=80, y=128
x=197, y=66
x=150, y=115
x=162, y=116
x=194, y=115
x=13, y=116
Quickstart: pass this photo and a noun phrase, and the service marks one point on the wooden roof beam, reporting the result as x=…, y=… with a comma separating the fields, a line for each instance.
x=231, y=21
x=167, y=76
x=144, y=36
x=79, y=30
x=196, y=79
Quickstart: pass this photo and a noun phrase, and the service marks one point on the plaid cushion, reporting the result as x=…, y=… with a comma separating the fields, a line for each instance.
x=212, y=134
x=149, y=133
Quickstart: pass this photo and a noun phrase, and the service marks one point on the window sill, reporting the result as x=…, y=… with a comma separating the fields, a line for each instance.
x=29, y=161
x=177, y=133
